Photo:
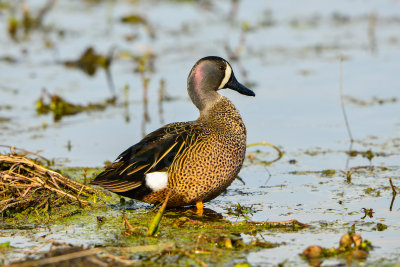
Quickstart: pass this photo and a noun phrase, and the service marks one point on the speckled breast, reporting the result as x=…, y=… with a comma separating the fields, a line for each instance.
x=211, y=163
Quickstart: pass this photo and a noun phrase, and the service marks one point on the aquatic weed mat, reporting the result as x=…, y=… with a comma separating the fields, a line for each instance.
x=120, y=237
x=31, y=192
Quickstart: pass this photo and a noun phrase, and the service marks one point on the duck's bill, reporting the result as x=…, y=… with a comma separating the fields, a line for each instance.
x=238, y=87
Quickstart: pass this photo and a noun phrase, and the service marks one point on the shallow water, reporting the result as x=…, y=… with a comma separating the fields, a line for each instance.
x=291, y=57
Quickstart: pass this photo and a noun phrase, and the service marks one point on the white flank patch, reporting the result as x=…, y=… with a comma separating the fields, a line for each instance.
x=228, y=72
x=156, y=180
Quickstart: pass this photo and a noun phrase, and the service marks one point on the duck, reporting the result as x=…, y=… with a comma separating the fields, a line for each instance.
x=187, y=163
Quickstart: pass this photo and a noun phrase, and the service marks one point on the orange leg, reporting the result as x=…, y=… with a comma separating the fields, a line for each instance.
x=199, y=206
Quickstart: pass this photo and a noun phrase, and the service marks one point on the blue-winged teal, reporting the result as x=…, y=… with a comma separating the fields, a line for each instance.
x=192, y=162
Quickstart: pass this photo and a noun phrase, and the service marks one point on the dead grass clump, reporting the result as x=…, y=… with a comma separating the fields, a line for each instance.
x=25, y=184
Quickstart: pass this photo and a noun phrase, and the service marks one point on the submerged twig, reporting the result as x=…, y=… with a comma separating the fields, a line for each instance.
x=45, y=10
x=107, y=64
x=371, y=32
x=394, y=193
x=343, y=107
x=161, y=97
x=146, y=116
x=234, y=54
x=342, y=100
x=233, y=10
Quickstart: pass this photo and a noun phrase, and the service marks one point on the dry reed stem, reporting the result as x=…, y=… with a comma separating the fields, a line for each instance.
x=93, y=251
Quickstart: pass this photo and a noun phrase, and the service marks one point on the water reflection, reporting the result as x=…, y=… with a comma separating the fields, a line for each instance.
x=161, y=98
x=145, y=103
x=372, y=32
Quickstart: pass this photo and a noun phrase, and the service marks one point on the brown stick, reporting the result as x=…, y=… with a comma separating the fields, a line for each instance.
x=89, y=252
x=120, y=259
x=205, y=224
x=53, y=260
x=187, y=254
x=162, y=246
x=127, y=223
x=288, y=223
x=391, y=203
x=63, y=216
x=61, y=193
x=341, y=57
x=393, y=188
x=393, y=194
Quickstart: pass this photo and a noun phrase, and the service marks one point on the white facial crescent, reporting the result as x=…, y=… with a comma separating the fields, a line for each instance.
x=228, y=73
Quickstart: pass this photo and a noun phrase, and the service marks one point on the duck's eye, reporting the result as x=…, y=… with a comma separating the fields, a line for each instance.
x=222, y=68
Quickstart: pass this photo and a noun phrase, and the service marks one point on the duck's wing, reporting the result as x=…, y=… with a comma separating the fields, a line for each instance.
x=154, y=153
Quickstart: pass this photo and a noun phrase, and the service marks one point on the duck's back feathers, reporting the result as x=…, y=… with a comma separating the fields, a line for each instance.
x=155, y=153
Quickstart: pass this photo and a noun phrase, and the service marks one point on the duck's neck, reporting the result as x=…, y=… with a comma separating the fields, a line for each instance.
x=220, y=110
x=202, y=99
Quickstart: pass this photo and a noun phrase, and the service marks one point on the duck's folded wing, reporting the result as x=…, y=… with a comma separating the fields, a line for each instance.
x=155, y=153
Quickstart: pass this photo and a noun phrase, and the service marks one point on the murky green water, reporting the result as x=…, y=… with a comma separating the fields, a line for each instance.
x=290, y=57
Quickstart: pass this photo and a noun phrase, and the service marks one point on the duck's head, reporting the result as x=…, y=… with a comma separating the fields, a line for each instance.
x=209, y=75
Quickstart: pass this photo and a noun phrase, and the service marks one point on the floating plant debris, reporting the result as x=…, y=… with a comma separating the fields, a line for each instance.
x=20, y=25
x=373, y=102
x=55, y=104
x=90, y=61
x=136, y=19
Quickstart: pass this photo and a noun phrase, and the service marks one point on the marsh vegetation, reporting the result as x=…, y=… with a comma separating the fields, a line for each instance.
x=81, y=81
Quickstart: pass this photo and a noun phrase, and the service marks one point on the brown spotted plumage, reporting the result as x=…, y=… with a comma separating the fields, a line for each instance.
x=192, y=161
